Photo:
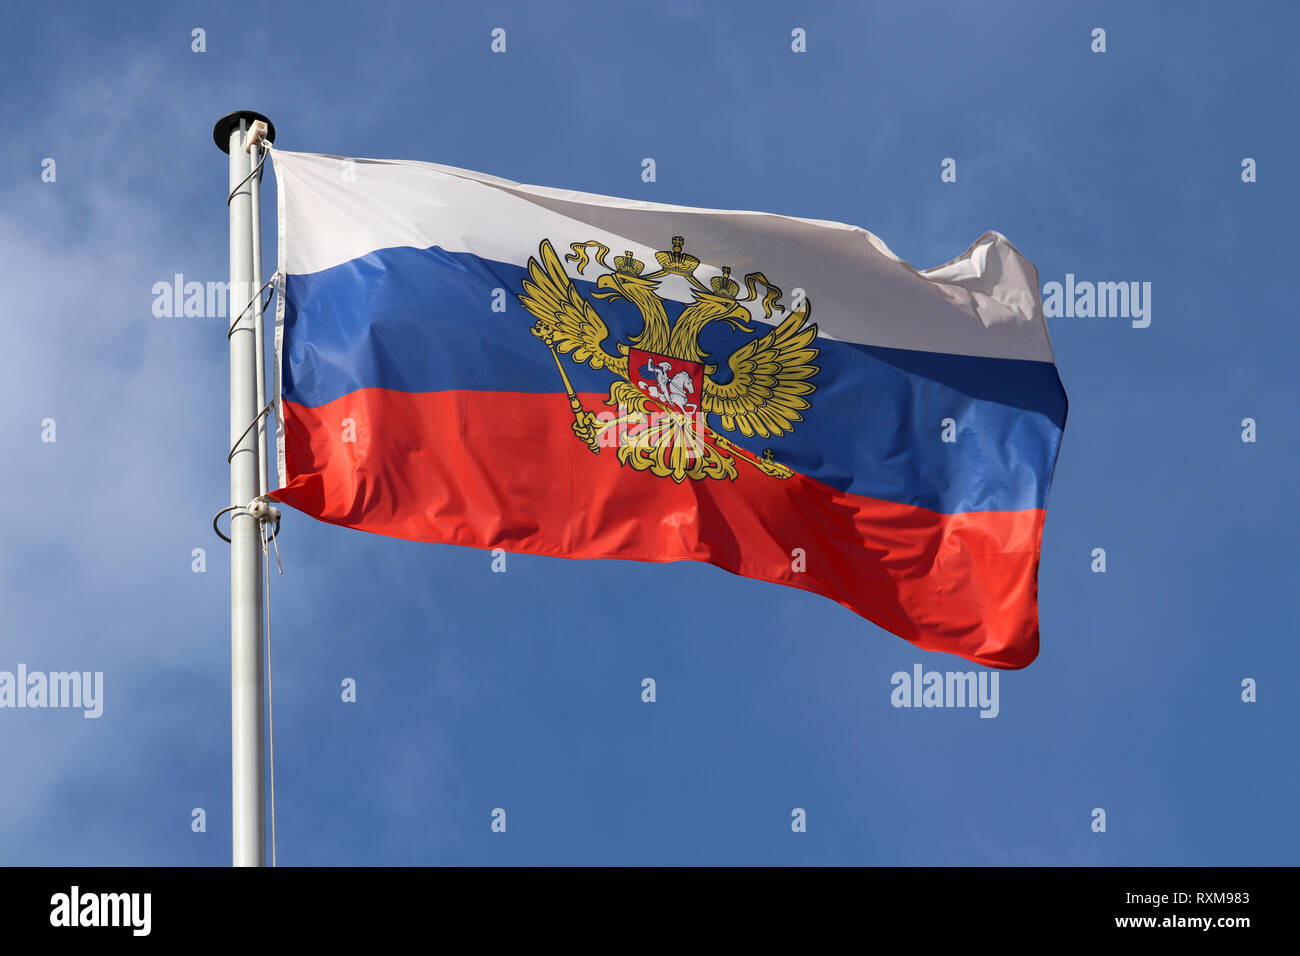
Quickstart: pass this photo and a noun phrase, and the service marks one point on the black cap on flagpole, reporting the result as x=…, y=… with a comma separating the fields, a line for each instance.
x=221, y=132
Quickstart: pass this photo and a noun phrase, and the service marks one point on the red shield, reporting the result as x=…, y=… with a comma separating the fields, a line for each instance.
x=674, y=384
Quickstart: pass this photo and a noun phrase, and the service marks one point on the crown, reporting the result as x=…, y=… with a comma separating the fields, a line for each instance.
x=682, y=263
x=628, y=264
x=724, y=284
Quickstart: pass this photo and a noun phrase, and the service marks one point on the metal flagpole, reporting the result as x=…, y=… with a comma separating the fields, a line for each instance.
x=247, y=715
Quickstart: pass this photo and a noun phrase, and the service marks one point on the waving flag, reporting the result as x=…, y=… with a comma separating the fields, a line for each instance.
x=468, y=360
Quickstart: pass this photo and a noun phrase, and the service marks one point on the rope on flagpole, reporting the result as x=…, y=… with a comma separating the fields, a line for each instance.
x=257, y=418
x=270, y=700
x=257, y=169
x=275, y=276
x=261, y=507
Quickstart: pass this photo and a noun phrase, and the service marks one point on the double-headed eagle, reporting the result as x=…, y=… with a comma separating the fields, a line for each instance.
x=764, y=395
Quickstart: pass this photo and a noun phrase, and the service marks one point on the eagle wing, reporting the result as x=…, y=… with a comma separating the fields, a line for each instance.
x=769, y=377
x=575, y=326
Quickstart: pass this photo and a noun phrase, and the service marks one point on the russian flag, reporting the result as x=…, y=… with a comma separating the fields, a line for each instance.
x=468, y=360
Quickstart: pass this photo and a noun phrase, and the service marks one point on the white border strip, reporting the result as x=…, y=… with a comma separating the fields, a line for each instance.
x=282, y=284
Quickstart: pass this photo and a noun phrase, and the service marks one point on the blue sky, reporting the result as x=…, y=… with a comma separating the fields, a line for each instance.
x=522, y=690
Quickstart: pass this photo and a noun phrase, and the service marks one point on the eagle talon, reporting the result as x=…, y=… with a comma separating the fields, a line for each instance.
x=584, y=426
x=768, y=465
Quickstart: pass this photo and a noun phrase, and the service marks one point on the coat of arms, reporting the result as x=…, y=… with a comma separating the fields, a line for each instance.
x=664, y=391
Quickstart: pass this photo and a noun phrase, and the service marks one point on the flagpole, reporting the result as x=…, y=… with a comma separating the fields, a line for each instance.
x=247, y=714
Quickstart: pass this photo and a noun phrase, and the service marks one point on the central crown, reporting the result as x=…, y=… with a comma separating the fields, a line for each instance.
x=681, y=263
x=725, y=285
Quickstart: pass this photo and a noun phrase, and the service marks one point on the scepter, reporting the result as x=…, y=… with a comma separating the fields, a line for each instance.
x=584, y=422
